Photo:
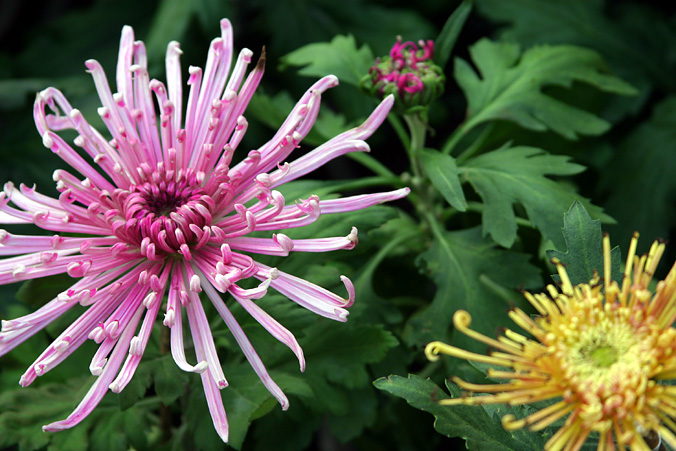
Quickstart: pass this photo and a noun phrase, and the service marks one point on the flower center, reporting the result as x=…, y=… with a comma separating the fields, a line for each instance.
x=596, y=352
x=165, y=214
x=166, y=198
x=604, y=356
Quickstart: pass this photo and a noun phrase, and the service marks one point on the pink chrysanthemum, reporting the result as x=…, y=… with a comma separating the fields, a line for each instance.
x=165, y=213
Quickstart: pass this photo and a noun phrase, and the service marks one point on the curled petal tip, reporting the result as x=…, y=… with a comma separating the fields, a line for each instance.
x=349, y=286
x=341, y=315
x=201, y=367
x=331, y=81
x=432, y=351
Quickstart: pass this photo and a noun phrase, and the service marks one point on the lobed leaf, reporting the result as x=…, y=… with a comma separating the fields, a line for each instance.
x=459, y=263
x=472, y=423
x=340, y=57
x=634, y=38
x=508, y=86
x=508, y=176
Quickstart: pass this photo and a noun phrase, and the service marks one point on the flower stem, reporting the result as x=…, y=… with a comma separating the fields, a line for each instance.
x=417, y=128
x=476, y=145
x=371, y=163
x=368, y=182
x=399, y=130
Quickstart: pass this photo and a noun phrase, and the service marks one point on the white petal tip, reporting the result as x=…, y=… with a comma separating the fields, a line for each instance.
x=201, y=367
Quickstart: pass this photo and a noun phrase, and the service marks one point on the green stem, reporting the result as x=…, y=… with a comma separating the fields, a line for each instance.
x=418, y=131
x=371, y=163
x=368, y=182
x=399, y=130
x=476, y=145
x=455, y=138
x=373, y=263
x=437, y=229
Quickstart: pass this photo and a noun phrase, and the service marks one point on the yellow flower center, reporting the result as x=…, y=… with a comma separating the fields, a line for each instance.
x=605, y=348
x=604, y=356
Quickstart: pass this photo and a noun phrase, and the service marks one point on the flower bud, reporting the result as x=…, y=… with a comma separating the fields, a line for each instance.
x=409, y=73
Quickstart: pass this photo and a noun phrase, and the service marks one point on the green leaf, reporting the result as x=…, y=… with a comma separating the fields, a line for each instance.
x=508, y=86
x=247, y=399
x=169, y=24
x=16, y=93
x=169, y=380
x=640, y=178
x=270, y=110
x=340, y=57
x=472, y=423
x=518, y=175
x=584, y=244
x=37, y=292
x=443, y=173
x=445, y=42
x=340, y=352
x=635, y=39
x=137, y=387
x=457, y=263
x=362, y=414
x=25, y=410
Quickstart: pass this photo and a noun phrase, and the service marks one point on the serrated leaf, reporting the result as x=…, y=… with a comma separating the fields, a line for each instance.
x=445, y=42
x=508, y=86
x=270, y=110
x=443, y=173
x=635, y=39
x=456, y=263
x=518, y=175
x=472, y=423
x=340, y=57
x=26, y=410
x=584, y=246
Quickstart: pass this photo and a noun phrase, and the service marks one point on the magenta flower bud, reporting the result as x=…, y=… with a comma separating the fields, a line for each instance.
x=408, y=73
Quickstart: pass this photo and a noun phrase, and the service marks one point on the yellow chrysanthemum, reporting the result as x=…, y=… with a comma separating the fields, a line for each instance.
x=604, y=350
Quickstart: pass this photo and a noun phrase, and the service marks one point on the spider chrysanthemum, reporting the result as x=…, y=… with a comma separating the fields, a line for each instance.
x=156, y=208
x=599, y=352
